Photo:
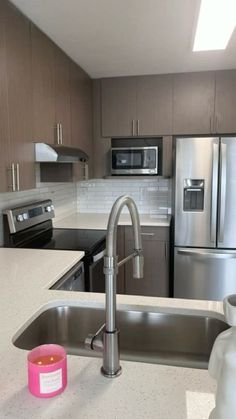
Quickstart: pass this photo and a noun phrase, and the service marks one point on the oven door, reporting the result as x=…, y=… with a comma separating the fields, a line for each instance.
x=134, y=161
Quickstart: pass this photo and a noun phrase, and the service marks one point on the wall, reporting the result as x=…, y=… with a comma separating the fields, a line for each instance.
x=63, y=196
x=151, y=196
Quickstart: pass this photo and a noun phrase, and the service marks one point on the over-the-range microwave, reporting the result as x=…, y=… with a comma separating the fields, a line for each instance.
x=134, y=160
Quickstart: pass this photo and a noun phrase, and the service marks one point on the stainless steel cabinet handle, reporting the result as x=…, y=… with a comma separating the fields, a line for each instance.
x=58, y=133
x=17, y=176
x=147, y=234
x=222, y=191
x=132, y=126
x=207, y=255
x=137, y=126
x=99, y=256
x=214, y=192
x=211, y=125
x=61, y=134
x=13, y=177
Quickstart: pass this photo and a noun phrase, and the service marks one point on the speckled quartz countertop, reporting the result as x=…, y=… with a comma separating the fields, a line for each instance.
x=142, y=390
x=98, y=221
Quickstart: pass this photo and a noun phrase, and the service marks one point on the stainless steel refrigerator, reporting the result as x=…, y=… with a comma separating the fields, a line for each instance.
x=205, y=218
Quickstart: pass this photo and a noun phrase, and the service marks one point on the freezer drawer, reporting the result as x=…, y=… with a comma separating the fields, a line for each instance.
x=204, y=274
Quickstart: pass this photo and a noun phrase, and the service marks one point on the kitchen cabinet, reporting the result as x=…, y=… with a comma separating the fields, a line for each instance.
x=193, y=103
x=225, y=102
x=17, y=112
x=155, y=281
x=81, y=115
x=154, y=105
x=43, y=73
x=133, y=106
x=62, y=97
x=118, y=106
x=4, y=122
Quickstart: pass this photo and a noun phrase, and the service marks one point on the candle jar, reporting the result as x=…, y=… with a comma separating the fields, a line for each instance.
x=47, y=370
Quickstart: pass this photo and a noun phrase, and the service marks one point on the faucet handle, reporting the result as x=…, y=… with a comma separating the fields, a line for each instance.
x=94, y=342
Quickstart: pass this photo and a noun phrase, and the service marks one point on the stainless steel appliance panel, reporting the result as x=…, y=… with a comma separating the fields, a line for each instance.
x=227, y=195
x=196, y=173
x=204, y=274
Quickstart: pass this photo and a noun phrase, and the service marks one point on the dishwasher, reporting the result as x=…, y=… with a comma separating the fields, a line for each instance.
x=73, y=280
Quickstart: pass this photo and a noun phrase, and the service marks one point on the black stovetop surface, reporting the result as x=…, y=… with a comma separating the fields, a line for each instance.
x=76, y=239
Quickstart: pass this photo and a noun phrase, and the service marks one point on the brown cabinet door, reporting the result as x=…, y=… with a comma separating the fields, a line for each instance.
x=81, y=114
x=5, y=175
x=43, y=87
x=155, y=281
x=154, y=105
x=62, y=94
x=118, y=106
x=19, y=86
x=193, y=103
x=225, y=101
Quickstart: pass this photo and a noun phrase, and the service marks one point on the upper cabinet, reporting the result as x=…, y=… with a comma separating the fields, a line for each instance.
x=133, y=106
x=118, y=106
x=17, y=95
x=43, y=87
x=154, y=105
x=193, y=103
x=225, y=102
x=62, y=97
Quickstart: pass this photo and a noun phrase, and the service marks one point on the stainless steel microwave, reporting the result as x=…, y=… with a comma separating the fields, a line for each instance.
x=134, y=160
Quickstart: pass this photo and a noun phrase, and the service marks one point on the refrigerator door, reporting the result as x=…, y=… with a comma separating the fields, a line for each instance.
x=204, y=274
x=196, y=185
x=227, y=194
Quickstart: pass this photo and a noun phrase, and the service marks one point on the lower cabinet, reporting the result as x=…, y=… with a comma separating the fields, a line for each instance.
x=155, y=281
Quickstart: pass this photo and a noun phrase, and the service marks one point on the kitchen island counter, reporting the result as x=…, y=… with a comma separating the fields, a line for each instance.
x=143, y=390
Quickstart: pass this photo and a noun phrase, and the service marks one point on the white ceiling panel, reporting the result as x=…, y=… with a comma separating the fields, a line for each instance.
x=127, y=37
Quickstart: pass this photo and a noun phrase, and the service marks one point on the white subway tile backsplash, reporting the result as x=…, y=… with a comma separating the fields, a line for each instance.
x=150, y=195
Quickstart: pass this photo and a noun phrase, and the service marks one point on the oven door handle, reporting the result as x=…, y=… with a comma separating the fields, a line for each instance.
x=98, y=256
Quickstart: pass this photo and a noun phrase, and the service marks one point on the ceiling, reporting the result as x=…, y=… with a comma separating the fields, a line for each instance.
x=127, y=37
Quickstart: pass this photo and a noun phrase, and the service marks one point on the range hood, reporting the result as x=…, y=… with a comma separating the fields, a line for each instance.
x=55, y=153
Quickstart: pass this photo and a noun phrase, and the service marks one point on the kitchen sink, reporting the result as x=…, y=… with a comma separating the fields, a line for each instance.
x=145, y=336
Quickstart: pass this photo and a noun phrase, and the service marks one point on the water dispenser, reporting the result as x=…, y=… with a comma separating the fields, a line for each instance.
x=193, y=195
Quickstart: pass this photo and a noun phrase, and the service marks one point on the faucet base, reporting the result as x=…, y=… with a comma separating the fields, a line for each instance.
x=107, y=375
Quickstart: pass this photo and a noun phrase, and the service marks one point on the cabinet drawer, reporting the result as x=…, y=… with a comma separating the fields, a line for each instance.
x=149, y=233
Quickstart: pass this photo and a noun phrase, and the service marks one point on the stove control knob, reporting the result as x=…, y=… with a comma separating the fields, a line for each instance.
x=25, y=216
x=48, y=208
x=20, y=218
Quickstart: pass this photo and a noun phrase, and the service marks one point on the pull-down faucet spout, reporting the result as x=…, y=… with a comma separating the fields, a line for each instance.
x=111, y=362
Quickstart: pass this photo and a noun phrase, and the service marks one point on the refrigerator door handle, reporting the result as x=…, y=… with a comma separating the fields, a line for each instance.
x=205, y=254
x=214, y=193
x=222, y=191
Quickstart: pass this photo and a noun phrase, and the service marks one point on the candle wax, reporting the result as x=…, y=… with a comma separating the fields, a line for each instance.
x=47, y=359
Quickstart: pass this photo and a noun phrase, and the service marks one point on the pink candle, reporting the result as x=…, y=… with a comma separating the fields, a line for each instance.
x=47, y=370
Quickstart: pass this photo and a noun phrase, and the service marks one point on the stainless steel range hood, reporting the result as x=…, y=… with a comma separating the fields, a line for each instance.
x=58, y=153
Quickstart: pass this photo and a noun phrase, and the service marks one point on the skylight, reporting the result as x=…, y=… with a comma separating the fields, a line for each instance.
x=216, y=23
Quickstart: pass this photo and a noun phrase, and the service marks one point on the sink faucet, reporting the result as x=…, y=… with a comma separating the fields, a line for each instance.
x=110, y=343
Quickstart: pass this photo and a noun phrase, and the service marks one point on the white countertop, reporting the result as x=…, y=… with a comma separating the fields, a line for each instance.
x=142, y=390
x=98, y=221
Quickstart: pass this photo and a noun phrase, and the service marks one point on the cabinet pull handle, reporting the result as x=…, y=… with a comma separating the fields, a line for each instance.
x=147, y=234
x=58, y=133
x=61, y=134
x=137, y=126
x=211, y=125
x=132, y=126
x=17, y=176
x=217, y=129
x=13, y=177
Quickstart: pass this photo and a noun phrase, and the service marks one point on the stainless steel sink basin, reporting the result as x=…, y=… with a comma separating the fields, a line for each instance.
x=163, y=338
